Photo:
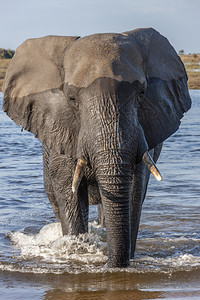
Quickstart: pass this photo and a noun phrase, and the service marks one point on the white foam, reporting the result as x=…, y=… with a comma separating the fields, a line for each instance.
x=177, y=262
x=50, y=252
x=52, y=247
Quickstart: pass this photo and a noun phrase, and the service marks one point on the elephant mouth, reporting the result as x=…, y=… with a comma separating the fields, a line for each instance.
x=81, y=165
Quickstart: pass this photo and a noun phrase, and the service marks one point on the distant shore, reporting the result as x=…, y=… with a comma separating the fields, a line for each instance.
x=192, y=66
x=191, y=62
x=4, y=63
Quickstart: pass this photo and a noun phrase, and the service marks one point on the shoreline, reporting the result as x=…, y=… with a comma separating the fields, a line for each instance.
x=117, y=285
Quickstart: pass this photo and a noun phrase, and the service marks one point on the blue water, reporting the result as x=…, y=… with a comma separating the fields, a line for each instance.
x=169, y=237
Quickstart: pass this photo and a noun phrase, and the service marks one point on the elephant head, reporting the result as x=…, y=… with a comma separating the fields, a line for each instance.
x=103, y=100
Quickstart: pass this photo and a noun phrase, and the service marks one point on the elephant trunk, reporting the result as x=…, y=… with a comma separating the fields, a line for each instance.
x=115, y=181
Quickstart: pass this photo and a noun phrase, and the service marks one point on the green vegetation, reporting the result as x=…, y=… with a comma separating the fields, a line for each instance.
x=5, y=58
x=191, y=62
x=6, y=53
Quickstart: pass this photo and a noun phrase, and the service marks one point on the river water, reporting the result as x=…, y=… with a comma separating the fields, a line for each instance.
x=36, y=262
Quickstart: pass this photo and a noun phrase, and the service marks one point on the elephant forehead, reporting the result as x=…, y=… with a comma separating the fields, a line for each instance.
x=98, y=56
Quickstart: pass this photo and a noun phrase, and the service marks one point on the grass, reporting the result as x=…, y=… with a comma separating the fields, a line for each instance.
x=192, y=65
x=191, y=62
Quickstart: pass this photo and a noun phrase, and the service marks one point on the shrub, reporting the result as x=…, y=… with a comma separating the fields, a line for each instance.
x=6, y=53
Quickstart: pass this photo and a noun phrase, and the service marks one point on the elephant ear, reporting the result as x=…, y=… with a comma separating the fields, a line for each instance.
x=33, y=95
x=167, y=97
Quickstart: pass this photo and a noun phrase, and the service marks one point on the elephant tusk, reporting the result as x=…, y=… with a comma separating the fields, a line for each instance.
x=78, y=175
x=147, y=159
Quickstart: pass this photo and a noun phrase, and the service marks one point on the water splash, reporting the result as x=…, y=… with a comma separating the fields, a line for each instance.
x=50, y=252
x=50, y=247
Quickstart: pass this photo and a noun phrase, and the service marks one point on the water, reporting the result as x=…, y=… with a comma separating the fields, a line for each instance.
x=36, y=260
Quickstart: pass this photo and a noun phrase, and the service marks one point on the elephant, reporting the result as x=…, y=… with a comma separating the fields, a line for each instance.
x=101, y=105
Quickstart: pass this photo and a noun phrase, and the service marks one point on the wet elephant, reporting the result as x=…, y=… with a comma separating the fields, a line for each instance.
x=100, y=105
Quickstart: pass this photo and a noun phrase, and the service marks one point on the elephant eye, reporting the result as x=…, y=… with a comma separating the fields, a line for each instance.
x=140, y=95
x=73, y=102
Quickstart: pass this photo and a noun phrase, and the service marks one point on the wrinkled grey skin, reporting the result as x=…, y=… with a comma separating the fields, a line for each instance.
x=105, y=98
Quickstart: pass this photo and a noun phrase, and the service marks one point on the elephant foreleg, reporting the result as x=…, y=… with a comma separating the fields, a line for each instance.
x=72, y=208
x=139, y=189
x=47, y=181
x=101, y=217
x=95, y=199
